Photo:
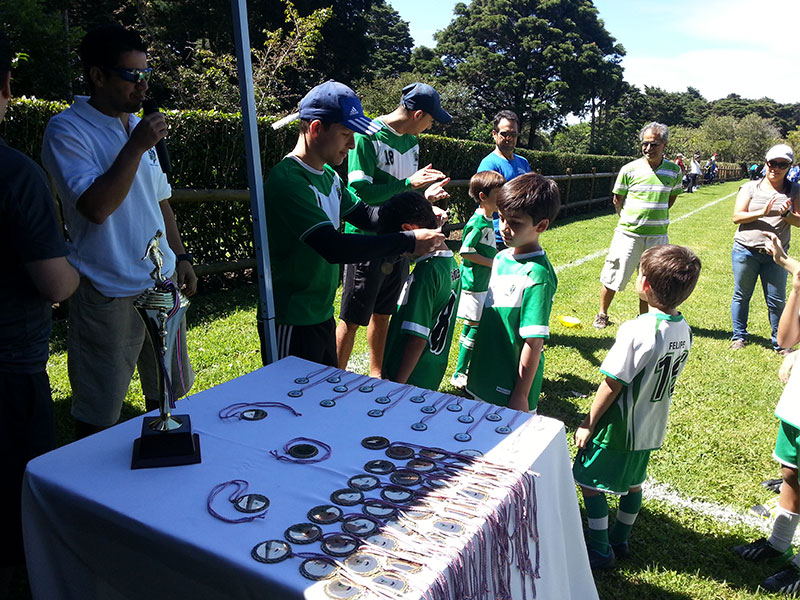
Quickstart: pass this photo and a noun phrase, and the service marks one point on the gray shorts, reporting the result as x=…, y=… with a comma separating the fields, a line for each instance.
x=623, y=257
x=105, y=342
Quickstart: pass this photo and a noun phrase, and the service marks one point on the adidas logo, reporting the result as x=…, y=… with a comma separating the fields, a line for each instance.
x=353, y=111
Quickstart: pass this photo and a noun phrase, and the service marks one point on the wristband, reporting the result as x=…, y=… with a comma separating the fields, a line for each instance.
x=187, y=257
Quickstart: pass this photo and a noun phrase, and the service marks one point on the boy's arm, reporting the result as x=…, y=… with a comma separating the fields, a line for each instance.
x=415, y=345
x=606, y=394
x=528, y=365
x=789, y=325
x=478, y=259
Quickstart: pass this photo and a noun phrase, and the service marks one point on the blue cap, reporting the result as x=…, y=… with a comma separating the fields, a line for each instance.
x=334, y=102
x=421, y=96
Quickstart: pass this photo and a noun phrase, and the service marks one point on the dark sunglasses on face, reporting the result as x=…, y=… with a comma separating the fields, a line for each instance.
x=509, y=135
x=133, y=75
x=778, y=164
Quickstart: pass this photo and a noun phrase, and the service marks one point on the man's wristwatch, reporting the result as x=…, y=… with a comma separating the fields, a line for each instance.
x=187, y=257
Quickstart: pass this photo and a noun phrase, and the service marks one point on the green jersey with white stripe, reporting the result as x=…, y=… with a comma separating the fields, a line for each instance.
x=300, y=199
x=521, y=291
x=647, y=193
x=426, y=308
x=647, y=357
x=478, y=238
x=379, y=166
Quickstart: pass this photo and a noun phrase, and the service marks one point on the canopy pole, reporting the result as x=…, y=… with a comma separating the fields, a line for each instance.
x=266, y=305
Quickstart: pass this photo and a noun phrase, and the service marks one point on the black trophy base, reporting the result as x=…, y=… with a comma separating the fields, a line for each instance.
x=166, y=448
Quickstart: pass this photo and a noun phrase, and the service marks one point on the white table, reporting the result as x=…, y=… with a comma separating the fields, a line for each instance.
x=94, y=528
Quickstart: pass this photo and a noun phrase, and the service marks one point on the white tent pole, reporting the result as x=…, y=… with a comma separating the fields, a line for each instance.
x=266, y=305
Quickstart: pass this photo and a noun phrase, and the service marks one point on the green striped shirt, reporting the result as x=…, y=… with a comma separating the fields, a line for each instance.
x=647, y=193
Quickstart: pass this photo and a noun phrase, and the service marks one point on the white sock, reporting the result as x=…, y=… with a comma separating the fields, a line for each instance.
x=783, y=529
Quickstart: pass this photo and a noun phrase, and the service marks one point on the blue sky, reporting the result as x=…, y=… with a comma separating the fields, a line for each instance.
x=716, y=46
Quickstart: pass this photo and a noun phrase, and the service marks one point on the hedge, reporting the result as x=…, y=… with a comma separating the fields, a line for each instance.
x=207, y=151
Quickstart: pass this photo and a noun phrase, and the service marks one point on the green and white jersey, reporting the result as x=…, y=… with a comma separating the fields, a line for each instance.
x=426, y=308
x=379, y=166
x=299, y=199
x=647, y=193
x=478, y=238
x=521, y=291
x=648, y=355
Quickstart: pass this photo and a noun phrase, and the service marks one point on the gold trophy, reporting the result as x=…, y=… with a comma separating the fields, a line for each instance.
x=167, y=440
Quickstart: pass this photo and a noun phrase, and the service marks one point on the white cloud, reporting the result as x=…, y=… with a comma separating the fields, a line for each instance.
x=751, y=73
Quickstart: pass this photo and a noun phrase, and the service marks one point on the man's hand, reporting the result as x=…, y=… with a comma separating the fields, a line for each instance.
x=582, y=436
x=186, y=278
x=441, y=215
x=426, y=175
x=427, y=240
x=148, y=132
x=437, y=192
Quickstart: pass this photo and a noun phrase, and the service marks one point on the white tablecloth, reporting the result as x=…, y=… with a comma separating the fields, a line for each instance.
x=94, y=528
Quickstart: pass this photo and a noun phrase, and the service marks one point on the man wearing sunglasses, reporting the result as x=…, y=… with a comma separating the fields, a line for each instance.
x=114, y=195
x=644, y=192
x=505, y=133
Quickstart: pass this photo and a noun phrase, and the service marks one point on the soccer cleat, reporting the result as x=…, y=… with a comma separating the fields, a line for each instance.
x=785, y=581
x=459, y=381
x=601, y=321
x=621, y=550
x=761, y=550
x=601, y=562
x=773, y=485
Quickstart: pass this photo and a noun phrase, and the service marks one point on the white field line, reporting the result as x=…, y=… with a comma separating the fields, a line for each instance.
x=653, y=490
x=600, y=253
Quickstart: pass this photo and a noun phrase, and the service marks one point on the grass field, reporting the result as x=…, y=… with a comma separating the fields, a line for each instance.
x=719, y=443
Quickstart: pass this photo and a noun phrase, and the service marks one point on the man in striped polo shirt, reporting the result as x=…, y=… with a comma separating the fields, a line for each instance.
x=644, y=192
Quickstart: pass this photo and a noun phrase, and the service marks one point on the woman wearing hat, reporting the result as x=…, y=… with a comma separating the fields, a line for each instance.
x=766, y=205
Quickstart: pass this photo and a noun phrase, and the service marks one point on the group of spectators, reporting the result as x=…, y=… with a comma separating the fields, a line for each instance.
x=114, y=195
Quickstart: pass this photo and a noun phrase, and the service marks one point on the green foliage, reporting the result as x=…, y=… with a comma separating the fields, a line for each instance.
x=744, y=140
x=542, y=59
x=391, y=39
x=574, y=138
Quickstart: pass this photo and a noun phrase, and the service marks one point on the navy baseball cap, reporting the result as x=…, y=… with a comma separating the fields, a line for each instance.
x=421, y=96
x=334, y=102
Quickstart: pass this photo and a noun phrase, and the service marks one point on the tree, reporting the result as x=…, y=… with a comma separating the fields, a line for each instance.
x=574, y=138
x=540, y=58
x=391, y=40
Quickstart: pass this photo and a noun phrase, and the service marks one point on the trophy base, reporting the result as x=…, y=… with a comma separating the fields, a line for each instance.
x=166, y=448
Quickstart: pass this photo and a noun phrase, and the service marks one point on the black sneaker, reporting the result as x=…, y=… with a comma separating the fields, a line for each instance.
x=785, y=581
x=761, y=550
x=601, y=562
x=621, y=550
x=773, y=485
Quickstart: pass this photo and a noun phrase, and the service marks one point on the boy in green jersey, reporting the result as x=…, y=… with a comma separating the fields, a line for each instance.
x=478, y=249
x=418, y=341
x=507, y=362
x=628, y=417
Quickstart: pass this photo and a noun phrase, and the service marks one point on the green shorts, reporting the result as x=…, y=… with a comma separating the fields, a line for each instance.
x=612, y=471
x=787, y=444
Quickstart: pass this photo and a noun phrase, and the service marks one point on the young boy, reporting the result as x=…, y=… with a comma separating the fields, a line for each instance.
x=628, y=418
x=778, y=547
x=507, y=362
x=418, y=340
x=478, y=249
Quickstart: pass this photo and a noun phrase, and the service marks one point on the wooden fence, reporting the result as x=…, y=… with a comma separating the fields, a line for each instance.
x=600, y=183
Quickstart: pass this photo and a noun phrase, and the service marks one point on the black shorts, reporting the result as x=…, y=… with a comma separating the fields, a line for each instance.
x=26, y=430
x=372, y=287
x=316, y=343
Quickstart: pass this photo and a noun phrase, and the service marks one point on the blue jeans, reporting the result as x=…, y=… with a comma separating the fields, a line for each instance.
x=748, y=266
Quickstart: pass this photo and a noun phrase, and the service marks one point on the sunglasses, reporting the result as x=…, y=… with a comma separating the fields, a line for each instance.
x=133, y=75
x=509, y=135
x=778, y=164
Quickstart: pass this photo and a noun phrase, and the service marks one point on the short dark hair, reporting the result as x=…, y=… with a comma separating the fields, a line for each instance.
x=305, y=124
x=672, y=272
x=406, y=207
x=5, y=55
x=531, y=194
x=484, y=181
x=508, y=115
x=103, y=46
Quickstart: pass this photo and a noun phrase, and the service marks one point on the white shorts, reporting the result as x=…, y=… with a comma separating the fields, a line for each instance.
x=470, y=305
x=623, y=257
